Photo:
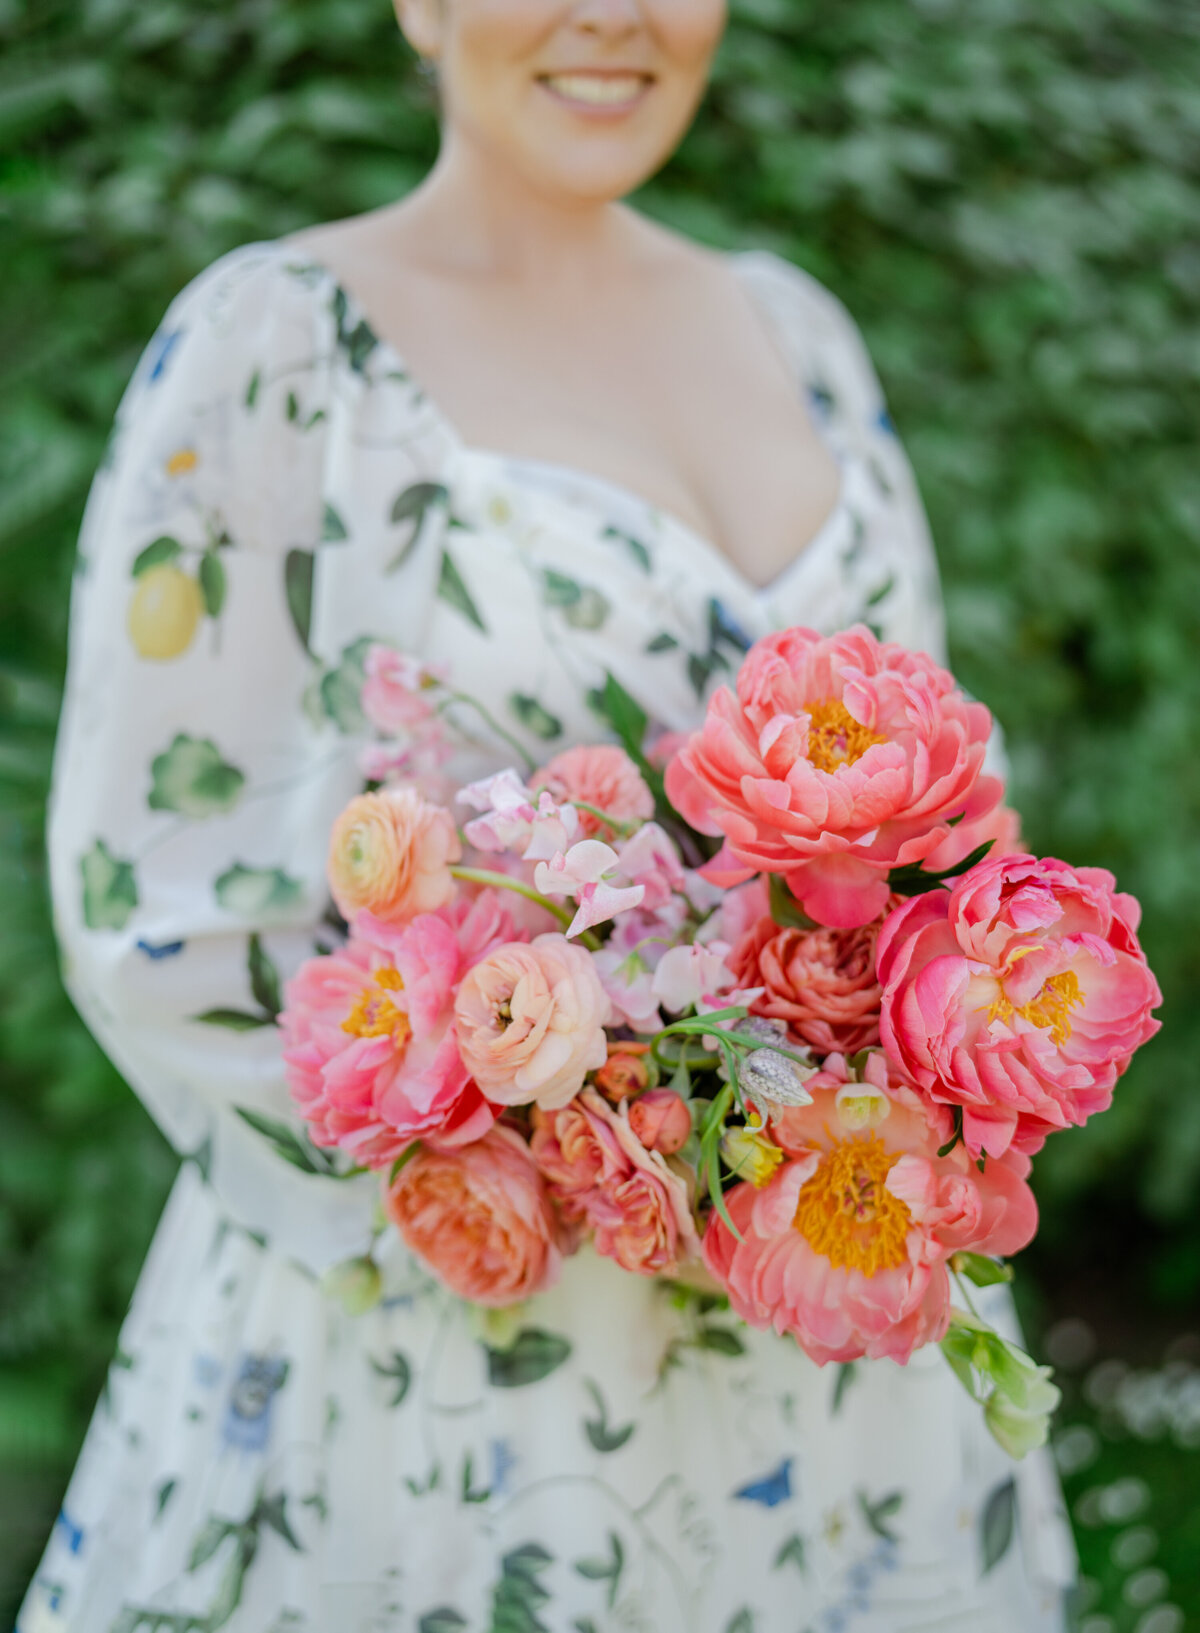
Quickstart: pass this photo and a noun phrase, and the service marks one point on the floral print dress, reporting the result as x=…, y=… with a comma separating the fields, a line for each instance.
x=278, y=493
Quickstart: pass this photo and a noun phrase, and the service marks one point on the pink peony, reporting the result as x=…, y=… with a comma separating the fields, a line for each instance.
x=600, y=1173
x=846, y=1246
x=480, y=1218
x=821, y=982
x=530, y=1019
x=600, y=775
x=369, y=1047
x=1019, y=995
x=390, y=853
x=839, y=759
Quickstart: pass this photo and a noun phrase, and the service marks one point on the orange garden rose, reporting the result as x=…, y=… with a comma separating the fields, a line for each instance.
x=391, y=853
x=821, y=982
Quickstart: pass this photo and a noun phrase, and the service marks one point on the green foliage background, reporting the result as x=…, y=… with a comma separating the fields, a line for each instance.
x=1006, y=194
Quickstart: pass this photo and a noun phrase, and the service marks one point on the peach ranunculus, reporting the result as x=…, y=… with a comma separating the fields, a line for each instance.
x=1020, y=995
x=530, y=1019
x=480, y=1218
x=369, y=1046
x=821, y=982
x=838, y=759
x=602, y=775
x=391, y=853
x=845, y=1247
x=601, y=1174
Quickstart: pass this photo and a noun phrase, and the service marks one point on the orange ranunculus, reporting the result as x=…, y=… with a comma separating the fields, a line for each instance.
x=391, y=853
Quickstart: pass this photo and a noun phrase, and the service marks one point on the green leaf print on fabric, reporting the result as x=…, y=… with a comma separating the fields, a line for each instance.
x=109, y=889
x=333, y=528
x=534, y=1356
x=251, y=891
x=192, y=779
x=213, y=583
x=411, y=506
x=997, y=1524
x=605, y=1570
x=602, y=1437
x=252, y=389
x=534, y=717
x=633, y=544
x=661, y=643
x=398, y=1370
x=468, y=1490
x=298, y=588
x=791, y=1553
x=846, y=1374
x=163, y=1496
x=518, y=1595
x=294, y=1147
x=355, y=343
x=582, y=606
x=156, y=554
x=719, y=1340
x=233, y=1020
x=442, y=1620
x=743, y=1622
x=453, y=590
x=879, y=1512
x=264, y=978
x=338, y=689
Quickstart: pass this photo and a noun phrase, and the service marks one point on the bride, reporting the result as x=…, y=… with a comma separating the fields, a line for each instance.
x=516, y=428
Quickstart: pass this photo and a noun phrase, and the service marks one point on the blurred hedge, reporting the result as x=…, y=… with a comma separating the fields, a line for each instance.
x=1004, y=192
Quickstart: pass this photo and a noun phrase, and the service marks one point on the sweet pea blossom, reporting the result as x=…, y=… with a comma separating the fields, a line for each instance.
x=584, y=872
x=398, y=693
x=651, y=860
x=696, y=977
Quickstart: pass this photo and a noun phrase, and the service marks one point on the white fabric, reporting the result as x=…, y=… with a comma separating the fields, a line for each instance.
x=262, y=1461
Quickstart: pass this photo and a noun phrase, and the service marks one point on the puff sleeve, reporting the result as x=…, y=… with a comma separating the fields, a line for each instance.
x=192, y=793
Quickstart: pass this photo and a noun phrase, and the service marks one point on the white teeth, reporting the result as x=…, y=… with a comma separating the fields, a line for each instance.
x=596, y=88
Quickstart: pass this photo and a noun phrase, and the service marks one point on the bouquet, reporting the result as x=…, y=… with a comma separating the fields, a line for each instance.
x=778, y=1011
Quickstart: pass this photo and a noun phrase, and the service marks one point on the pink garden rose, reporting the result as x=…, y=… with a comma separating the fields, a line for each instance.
x=845, y=1247
x=1019, y=995
x=391, y=853
x=838, y=759
x=601, y=1175
x=821, y=982
x=599, y=774
x=480, y=1218
x=530, y=1019
x=369, y=1045
x=661, y=1120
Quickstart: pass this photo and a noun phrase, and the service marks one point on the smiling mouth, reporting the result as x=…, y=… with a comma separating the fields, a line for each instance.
x=604, y=88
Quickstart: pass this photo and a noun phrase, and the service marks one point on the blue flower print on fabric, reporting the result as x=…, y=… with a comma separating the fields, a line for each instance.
x=248, y=1416
x=772, y=1490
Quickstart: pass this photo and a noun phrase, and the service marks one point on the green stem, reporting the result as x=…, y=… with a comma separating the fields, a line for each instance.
x=493, y=724
x=502, y=881
x=704, y=1023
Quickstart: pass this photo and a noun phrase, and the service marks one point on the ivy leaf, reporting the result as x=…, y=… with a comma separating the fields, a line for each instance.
x=156, y=554
x=298, y=588
x=254, y=891
x=399, y=1370
x=536, y=719
x=295, y=1148
x=998, y=1523
x=264, y=978
x=534, y=1356
x=453, y=590
x=213, y=583
x=110, y=892
x=333, y=528
x=192, y=779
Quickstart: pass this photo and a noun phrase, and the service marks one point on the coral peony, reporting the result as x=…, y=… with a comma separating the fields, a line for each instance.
x=821, y=982
x=530, y=1019
x=480, y=1218
x=1019, y=995
x=390, y=853
x=370, y=1051
x=601, y=775
x=846, y=1246
x=838, y=759
x=600, y=1173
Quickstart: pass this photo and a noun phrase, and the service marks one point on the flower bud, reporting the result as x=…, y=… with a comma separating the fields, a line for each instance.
x=661, y=1121
x=625, y=1072
x=355, y=1284
x=751, y=1155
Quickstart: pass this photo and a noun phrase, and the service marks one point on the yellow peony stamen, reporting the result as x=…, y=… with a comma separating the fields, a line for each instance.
x=835, y=737
x=182, y=462
x=847, y=1213
x=375, y=1016
x=1051, y=1008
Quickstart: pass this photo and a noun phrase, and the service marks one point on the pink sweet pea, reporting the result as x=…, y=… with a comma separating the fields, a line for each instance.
x=1020, y=995
x=584, y=872
x=369, y=1043
x=398, y=694
x=513, y=821
x=845, y=1247
x=651, y=860
x=838, y=759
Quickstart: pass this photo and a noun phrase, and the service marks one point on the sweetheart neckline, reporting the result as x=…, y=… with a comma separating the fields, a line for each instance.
x=739, y=261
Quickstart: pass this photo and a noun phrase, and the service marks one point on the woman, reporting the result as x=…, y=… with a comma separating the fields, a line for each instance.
x=513, y=427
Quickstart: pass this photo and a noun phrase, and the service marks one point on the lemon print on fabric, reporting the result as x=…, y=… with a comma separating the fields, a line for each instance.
x=165, y=612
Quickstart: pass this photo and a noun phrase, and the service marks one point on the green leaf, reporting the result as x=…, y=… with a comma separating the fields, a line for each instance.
x=298, y=567
x=720, y=1340
x=333, y=528
x=633, y=544
x=605, y=1570
x=209, y=1540
x=165, y=1492
x=234, y=1020
x=534, y=1356
x=743, y=1622
x=791, y=1553
x=785, y=909
x=603, y=1438
x=162, y=550
x=468, y=1490
x=625, y=715
x=411, y=506
x=251, y=892
x=292, y=408
x=558, y=590
x=452, y=589
x=662, y=643
x=518, y=1595
x=442, y=1620
x=399, y=1370
x=997, y=1523
x=537, y=720
x=341, y=688
x=914, y=881
x=212, y=583
x=272, y=1511
x=293, y=1147
x=109, y=889
x=192, y=779
x=264, y=977
x=878, y=1513
x=846, y=1374
x=251, y=397
x=977, y=1268
x=590, y=611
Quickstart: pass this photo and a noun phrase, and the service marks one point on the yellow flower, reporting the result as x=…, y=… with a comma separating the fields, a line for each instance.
x=751, y=1155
